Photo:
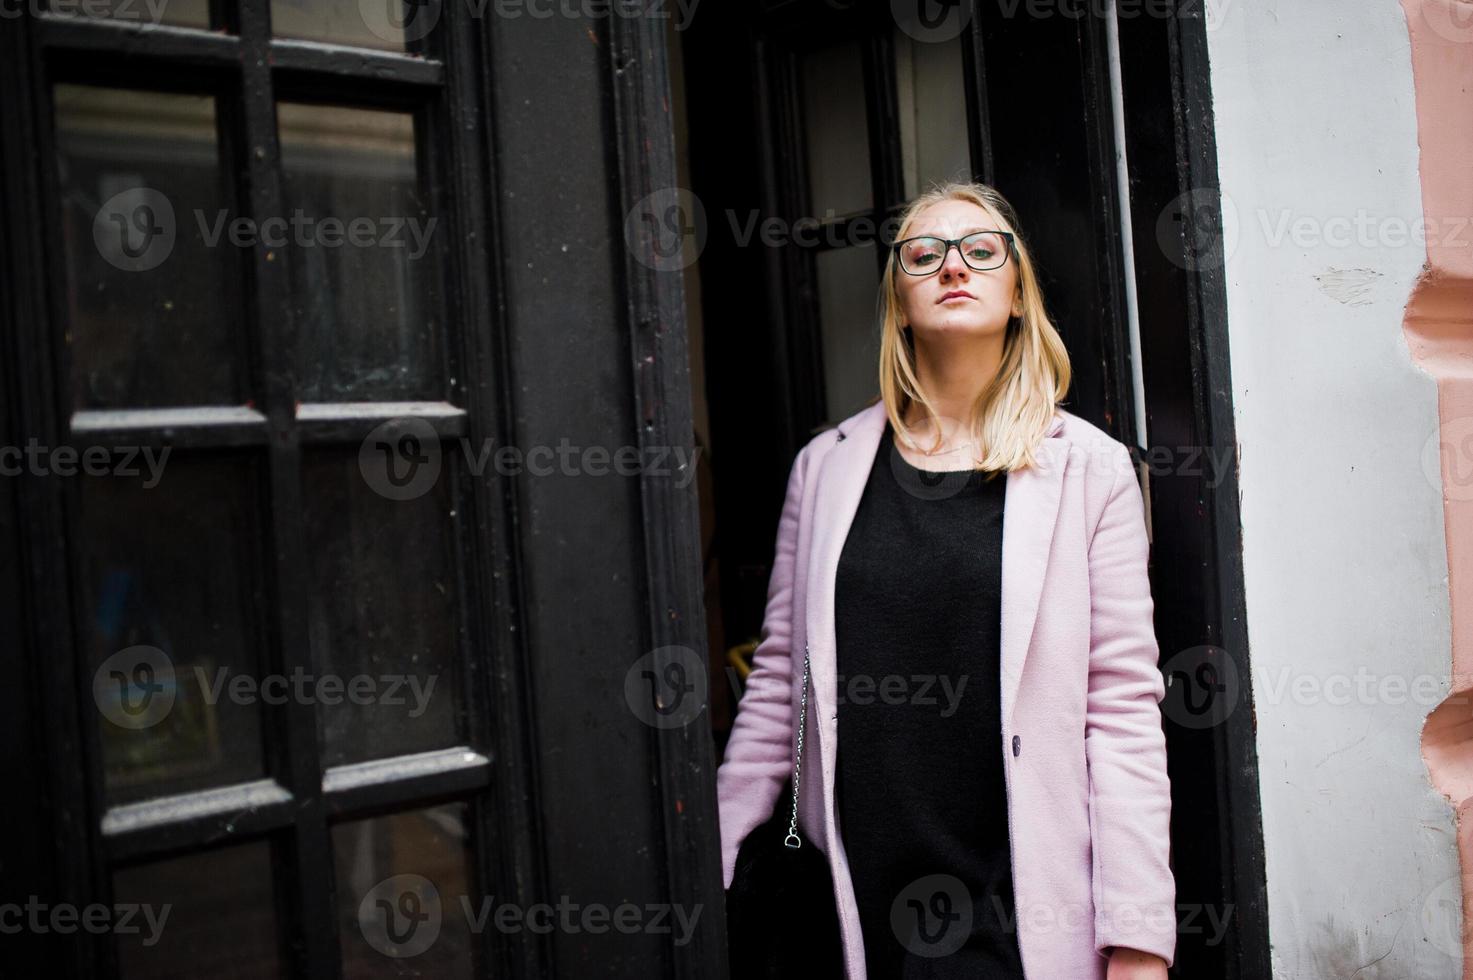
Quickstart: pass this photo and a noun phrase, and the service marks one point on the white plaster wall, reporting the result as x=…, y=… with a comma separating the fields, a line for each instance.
x=1344, y=551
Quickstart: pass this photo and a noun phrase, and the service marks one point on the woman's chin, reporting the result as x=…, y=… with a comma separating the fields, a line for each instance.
x=961, y=326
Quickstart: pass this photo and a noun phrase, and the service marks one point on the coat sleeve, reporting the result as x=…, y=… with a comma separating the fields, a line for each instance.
x=1129, y=790
x=759, y=753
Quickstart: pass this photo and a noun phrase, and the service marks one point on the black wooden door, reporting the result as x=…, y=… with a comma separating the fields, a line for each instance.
x=266, y=658
x=343, y=679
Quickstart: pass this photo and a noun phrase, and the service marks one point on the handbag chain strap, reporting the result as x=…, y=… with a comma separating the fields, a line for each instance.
x=793, y=840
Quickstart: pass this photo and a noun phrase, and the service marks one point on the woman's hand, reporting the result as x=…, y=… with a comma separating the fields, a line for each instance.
x=1132, y=964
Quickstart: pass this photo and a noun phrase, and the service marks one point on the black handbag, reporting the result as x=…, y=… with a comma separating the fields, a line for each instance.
x=780, y=915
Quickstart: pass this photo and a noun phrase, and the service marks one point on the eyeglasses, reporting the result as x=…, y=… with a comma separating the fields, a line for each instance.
x=981, y=250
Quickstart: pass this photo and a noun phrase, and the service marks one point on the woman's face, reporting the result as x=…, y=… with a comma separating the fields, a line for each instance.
x=957, y=301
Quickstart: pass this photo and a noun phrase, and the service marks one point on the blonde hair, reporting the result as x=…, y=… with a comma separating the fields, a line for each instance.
x=1016, y=407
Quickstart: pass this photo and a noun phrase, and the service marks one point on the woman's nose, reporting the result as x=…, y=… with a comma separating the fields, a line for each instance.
x=953, y=266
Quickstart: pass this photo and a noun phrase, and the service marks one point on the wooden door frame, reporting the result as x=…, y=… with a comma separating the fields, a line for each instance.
x=1197, y=582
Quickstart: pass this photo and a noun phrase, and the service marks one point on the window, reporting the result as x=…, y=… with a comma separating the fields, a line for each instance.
x=258, y=249
x=876, y=117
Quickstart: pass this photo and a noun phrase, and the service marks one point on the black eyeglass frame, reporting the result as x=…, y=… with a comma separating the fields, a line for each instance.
x=1007, y=236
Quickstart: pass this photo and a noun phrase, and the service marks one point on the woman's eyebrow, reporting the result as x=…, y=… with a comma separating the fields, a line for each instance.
x=964, y=234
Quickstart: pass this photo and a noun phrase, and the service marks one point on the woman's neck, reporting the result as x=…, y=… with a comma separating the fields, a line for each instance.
x=953, y=376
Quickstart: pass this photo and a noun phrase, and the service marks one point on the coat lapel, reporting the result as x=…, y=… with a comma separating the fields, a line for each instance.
x=1029, y=516
x=1030, y=512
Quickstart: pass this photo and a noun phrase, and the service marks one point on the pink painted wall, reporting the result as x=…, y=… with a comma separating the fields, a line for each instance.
x=1439, y=328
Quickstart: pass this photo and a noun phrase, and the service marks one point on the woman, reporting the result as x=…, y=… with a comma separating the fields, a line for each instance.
x=965, y=565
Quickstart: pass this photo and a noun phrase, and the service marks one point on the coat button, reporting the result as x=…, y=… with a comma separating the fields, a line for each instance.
x=1017, y=745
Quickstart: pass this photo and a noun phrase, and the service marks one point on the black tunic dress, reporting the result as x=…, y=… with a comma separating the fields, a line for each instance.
x=920, y=793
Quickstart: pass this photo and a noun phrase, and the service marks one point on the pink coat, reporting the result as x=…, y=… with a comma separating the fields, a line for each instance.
x=1089, y=801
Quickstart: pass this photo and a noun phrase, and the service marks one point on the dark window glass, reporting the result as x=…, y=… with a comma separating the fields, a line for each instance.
x=848, y=287
x=171, y=592
x=363, y=256
x=929, y=82
x=383, y=24
x=384, y=610
x=838, y=130
x=149, y=319
x=179, y=13
x=403, y=888
x=217, y=913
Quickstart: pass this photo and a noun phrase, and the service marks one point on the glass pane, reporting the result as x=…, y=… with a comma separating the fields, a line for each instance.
x=933, y=112
x=838, y=130
x=150, y=321
x=363, y=256
x=203, y=915
x=384, y=613
x=848, y=285
x=170, y=589
x=383, y=24
x=403, y=887
x=180, y=13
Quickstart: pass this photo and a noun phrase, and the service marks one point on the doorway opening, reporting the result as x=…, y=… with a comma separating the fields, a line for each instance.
x=802, y=129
